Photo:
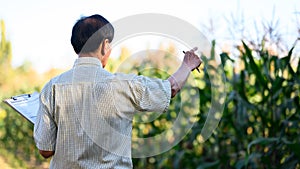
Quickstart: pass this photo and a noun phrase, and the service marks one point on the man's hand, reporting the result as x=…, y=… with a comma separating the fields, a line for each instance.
x=46, y=154
x=191, y=60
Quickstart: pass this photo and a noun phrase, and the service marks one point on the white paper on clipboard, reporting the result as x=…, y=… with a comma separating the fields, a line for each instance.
x=26, y=104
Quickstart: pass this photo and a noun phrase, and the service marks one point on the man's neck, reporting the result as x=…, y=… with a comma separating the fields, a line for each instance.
x=93, y=55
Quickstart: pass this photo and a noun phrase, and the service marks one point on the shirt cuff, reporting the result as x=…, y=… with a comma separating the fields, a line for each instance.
x=45, y=147
x=168, y=92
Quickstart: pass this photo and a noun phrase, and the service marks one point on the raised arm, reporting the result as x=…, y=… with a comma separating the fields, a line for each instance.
x=190, y=62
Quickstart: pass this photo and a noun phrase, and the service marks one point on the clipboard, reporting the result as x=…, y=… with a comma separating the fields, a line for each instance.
x=26, y=104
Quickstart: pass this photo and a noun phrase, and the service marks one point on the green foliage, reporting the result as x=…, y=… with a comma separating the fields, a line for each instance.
x=260, y=123
x=16, y=133
x=270, y=115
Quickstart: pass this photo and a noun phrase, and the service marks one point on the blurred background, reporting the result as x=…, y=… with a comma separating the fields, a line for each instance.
x=257, y=42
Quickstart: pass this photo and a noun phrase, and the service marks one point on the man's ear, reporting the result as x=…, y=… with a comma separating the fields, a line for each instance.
x=105, y=47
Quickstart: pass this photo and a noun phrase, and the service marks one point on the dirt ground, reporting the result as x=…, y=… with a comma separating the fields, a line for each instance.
x=3, y=164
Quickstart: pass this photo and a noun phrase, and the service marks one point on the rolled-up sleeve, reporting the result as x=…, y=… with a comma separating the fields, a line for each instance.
x=151, y=94
x=45, y=128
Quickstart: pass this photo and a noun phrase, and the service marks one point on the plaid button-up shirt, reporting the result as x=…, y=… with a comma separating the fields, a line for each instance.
x=86, y=113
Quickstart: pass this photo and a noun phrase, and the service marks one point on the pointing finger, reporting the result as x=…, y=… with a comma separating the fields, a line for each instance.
x=194, y=49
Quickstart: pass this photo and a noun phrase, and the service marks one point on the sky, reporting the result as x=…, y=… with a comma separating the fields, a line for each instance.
x=40, y=31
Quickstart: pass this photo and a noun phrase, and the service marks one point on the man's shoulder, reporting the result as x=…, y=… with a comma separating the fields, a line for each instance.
x=58, y=78
x=135, y=78
x=124, y=76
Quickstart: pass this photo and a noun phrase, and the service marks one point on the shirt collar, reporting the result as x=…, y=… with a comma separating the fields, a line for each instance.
x=87, y=61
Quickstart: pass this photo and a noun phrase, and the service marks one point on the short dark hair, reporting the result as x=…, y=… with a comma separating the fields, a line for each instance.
x=96, y=25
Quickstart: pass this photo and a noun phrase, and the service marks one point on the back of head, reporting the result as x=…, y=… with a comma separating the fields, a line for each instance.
x=89, y=32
